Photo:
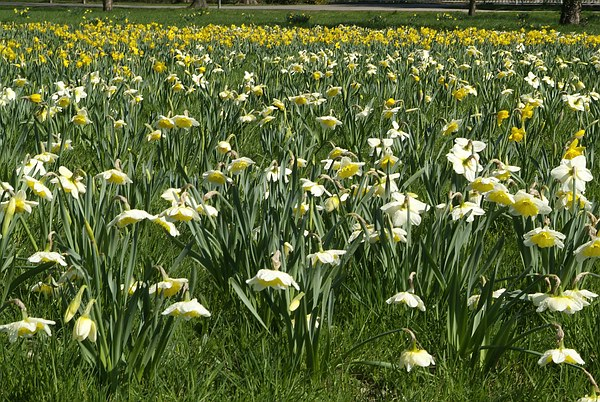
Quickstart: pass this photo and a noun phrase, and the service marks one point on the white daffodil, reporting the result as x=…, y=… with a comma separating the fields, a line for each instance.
x=560, y=355
x=468, y=209
x=115, y=176
x=69, y=182
x=527, y=205
x=269, y=278
x=405, y=208
x=415, y=358
x=544, y=238
x=168, y=286
x=187, y=309
x=238, y=165
x=38, y=188
x=408, y=298
x=317, y=190
x=47, y=256
x=331, y=257
x=129, y=217
x=561, y=303
x=591, y=249
x=27, y=328
x=329, y=122
x=572, y=173
x=465, y=164
x=85, y=328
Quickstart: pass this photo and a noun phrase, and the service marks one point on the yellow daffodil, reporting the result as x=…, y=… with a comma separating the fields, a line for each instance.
x=516, y=134
x=501, y=116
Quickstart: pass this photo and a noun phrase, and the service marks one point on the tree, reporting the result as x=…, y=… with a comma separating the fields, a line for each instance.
x=472, y=7
x=570, y=12
x=107, y=5
x=199, y=4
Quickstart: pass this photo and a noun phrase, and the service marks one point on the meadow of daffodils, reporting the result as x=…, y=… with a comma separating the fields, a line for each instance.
x=303, y=175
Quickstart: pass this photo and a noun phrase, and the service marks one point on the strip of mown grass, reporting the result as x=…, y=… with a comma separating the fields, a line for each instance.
x=370, y=19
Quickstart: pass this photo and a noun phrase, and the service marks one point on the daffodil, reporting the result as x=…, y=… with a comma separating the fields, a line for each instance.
x=47, y=289
x=115, y=176
x=517, y=134
x=269, y=278
x=70, y=182
x=348, y=168
x=27, y=328
x=168, y=286
x=33, y=167
x=81, y=118
x=483, y=184
x=415, y=357
x=42, y=257
x=73, y=306
x=404, y=208
x=329, y=122
x=573, y=150
x=501, y=116
x=504, y=170
x=333, y=91
x=166, y=225
x=187, y=309
x=473, y=301
x=560, y=355
x=129, y=217
x=275, y=173
x=451, y=127
x=464, y=163
x=468, y=209
x=317, y=190
x=19, y=203
x=180, y=213
x=583, y=294
x=35, y=98
x=408, y=298
x=165, y=122
x=561, y=303
x=544, y=238
x=238, y=165
x=527, y=205
x=185, y=121
x=85, y=328
x=572, y=173
x=38, y=188
x=591, y=249
x=331, y=257
x=216, y=177
x=207, y=210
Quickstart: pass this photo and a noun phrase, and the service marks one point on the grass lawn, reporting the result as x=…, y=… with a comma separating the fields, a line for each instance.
x=370, y=19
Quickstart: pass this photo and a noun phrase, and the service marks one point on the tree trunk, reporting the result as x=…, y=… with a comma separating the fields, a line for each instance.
x=571, y=12
x=107, y=5
x=472, y=7
x=249, y=2
x=199, y=4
